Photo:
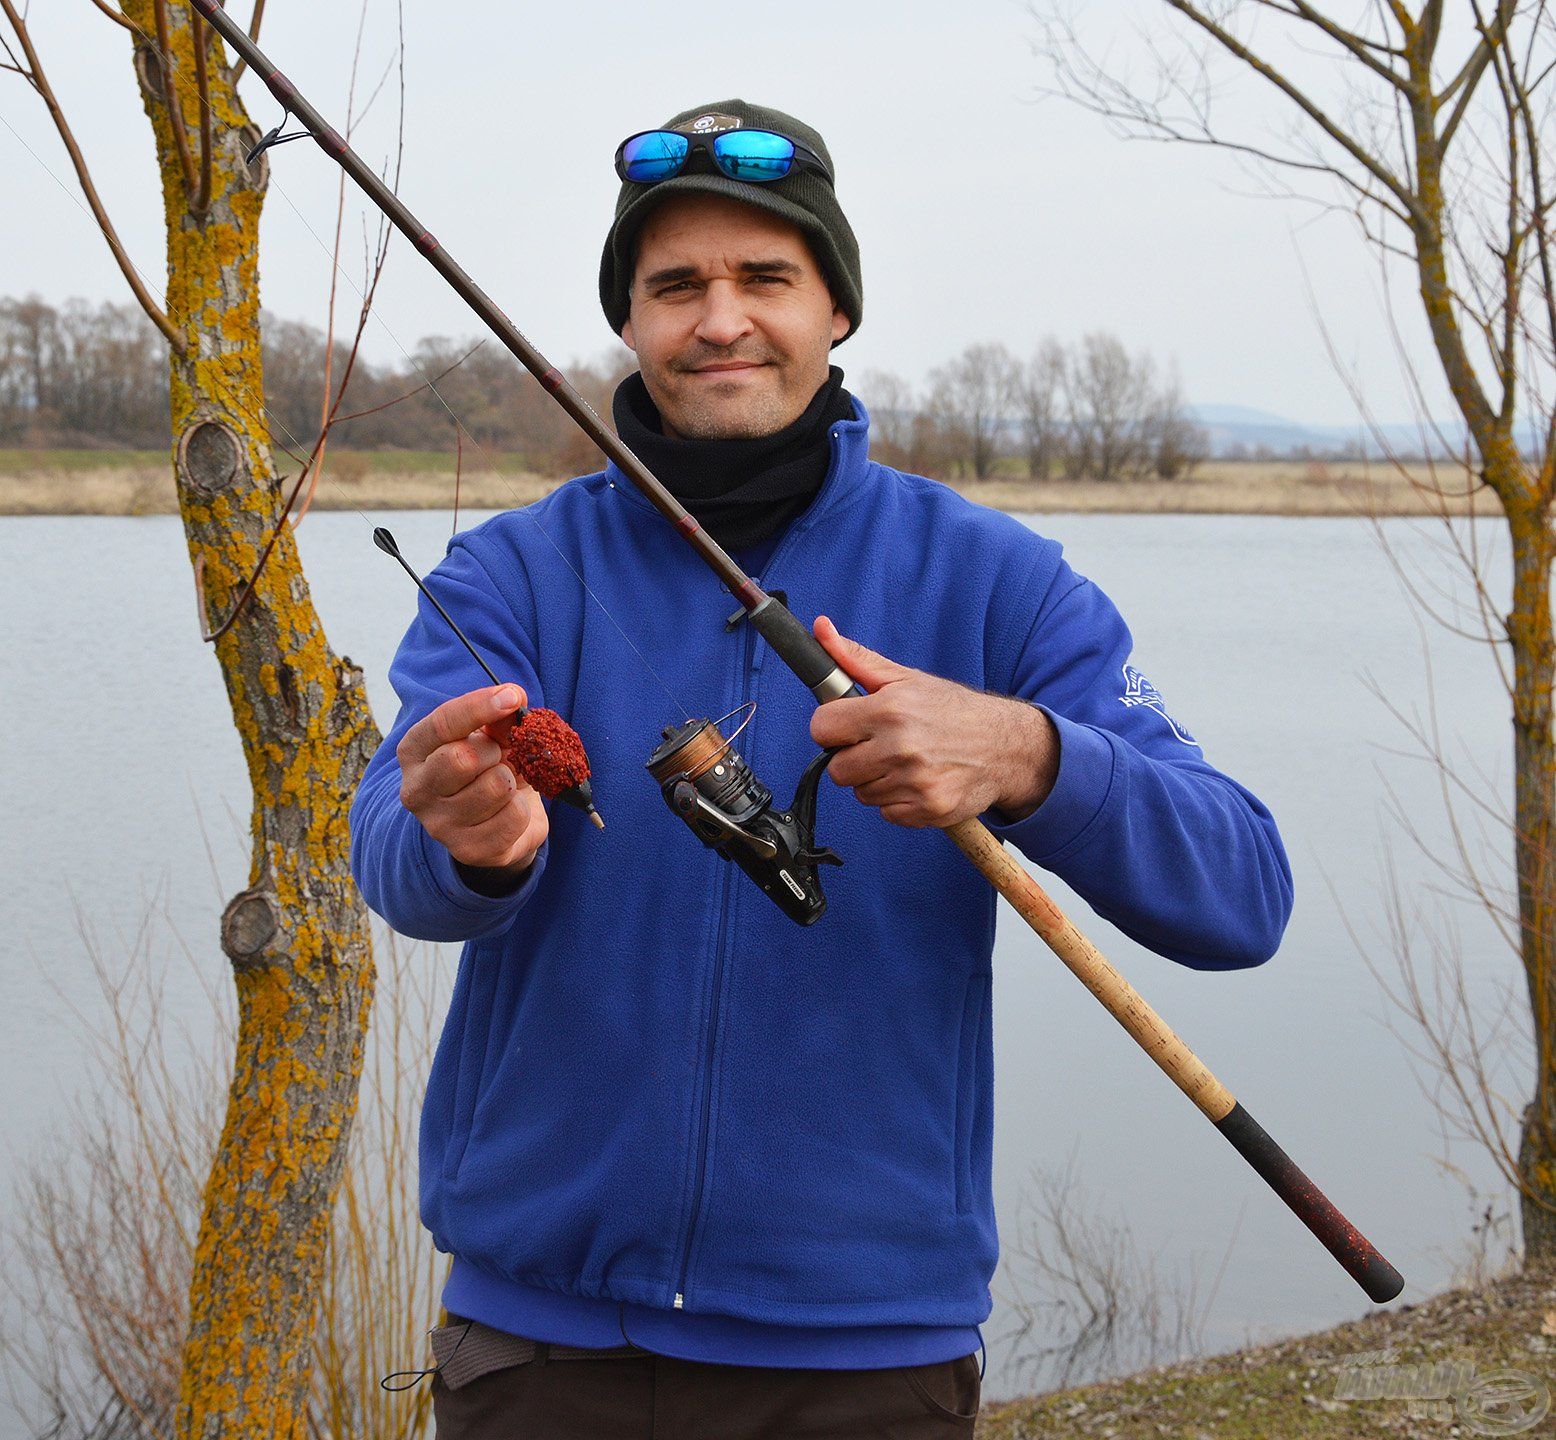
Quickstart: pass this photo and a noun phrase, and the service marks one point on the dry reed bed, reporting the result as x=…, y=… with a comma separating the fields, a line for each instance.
x=1219, y=488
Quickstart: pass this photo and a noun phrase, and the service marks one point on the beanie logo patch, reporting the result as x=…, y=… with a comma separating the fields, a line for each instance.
x=711, y=124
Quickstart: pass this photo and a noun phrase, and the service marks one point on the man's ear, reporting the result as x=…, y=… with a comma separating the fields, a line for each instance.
x=839, y=323
x=626, y=336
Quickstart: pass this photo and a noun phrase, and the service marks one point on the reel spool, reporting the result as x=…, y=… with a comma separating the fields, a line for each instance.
x=710, y=786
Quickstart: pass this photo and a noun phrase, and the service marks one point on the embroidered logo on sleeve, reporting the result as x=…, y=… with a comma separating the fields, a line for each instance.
x=1139, y=691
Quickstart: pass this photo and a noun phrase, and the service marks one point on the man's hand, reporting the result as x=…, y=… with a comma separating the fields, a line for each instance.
x=452, y=779
x=929, y=751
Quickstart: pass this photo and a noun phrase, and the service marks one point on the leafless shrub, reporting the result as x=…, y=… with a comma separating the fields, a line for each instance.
x=1040, y=406
x=970, y=399
x=1087, y=1302
x=98, y=1257
x=1175, y=444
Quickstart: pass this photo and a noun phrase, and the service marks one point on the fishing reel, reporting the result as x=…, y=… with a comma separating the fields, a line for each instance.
x=706, y=782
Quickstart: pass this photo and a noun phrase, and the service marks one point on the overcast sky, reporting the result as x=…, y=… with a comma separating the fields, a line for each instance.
x=982, y=211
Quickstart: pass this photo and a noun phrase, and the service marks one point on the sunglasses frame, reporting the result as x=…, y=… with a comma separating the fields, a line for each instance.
x=803, y=154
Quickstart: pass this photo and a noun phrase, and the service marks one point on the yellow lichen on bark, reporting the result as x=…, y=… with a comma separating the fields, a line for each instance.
x=304, y=990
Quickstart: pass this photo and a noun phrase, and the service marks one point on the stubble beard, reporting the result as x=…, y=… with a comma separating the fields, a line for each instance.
x=737, y=417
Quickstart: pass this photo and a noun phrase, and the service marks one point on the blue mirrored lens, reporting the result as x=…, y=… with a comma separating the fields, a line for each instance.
x=753, y=154
x=654, y=156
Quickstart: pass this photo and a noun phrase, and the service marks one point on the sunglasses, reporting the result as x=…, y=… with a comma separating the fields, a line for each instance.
x=754, y=155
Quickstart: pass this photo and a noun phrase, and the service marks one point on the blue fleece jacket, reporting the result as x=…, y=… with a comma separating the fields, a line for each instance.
x=659, y=1107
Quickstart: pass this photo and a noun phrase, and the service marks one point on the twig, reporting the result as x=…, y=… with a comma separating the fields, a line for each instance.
x=40, y=83
x=114, y=15
x=1369, y=162
x=259, y=14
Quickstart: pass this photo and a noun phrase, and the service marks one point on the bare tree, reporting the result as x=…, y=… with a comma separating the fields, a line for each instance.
x=1110, y=398
x=1040, y=405
x=1175, y=444
x=81, y=374
x=1429, y=124
x=971, y=397
x=297, y=936
x=894, y=414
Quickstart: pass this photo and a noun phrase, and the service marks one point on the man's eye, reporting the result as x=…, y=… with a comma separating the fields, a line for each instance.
x=769, y=279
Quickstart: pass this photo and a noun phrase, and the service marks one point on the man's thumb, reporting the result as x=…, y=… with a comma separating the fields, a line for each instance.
x=859, y=661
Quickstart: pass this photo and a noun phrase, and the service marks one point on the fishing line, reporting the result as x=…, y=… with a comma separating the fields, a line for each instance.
x=240, y=409
x=378, y=320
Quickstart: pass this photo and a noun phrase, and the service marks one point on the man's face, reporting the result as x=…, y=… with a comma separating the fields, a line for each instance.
x=730, y=318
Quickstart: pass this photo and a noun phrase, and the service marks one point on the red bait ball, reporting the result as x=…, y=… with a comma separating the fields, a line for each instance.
x=545, y=751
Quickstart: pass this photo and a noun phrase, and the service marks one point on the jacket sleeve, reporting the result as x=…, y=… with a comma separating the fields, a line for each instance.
x=403, y=873
x=1157, y=841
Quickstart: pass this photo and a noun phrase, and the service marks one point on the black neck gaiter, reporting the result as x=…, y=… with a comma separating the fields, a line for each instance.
x=741, y=491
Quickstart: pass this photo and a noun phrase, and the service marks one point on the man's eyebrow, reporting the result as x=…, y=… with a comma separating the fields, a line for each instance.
x=670, y=276
x=769, y=267
x=675, y=273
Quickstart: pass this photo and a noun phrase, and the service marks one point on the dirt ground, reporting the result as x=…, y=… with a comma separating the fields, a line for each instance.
x=1466, y=1363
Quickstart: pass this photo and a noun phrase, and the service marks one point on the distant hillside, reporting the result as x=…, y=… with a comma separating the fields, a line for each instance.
x=1234, y=426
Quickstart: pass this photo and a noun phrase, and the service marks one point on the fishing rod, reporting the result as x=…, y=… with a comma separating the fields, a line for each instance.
x=691, y=754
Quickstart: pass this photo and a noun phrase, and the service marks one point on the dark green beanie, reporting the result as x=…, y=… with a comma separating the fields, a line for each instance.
x=803, y=197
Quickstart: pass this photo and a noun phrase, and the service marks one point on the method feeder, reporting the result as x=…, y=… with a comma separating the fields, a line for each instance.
x=538, y=745
x=804, y=655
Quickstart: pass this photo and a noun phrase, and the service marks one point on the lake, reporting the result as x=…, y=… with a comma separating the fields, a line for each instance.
x=1268, y=637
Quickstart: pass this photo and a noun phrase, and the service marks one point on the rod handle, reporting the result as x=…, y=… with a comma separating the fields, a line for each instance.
x=1310, y=1205
x=1177, y=1061
x=800, y=650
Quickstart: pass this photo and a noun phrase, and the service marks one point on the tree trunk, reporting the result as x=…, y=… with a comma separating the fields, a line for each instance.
x=1529, y=633
x=1534, y=779
x=297, y=936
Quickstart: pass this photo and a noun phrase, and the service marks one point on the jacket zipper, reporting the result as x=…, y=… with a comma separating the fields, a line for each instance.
x=748, y=656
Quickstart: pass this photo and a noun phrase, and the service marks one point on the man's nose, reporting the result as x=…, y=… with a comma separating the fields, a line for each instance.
x=724, y=319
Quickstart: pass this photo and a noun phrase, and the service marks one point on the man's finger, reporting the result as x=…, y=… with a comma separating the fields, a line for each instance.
x=490, y=842
x=843, y=722
x=489, y=794
x=870, y=669
x=455, y=719
x=451, y=768
x=859, y=764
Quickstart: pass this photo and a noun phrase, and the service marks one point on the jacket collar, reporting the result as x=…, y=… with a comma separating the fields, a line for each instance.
x=850, y=441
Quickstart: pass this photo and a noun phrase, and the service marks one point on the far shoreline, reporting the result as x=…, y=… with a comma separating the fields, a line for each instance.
x=131, y=483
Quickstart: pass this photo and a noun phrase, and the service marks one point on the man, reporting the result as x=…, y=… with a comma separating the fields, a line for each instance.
x=703, y=1171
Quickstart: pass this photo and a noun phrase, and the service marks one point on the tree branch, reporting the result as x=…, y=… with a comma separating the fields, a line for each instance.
x=1096, y=90
x=1472, y=69
x=40, y=83
x=259, y=14
x=1522, y=111
x=1234, y=46
x=1357, y=45
x=203, y=90
x=170, y=99
x=114, y=15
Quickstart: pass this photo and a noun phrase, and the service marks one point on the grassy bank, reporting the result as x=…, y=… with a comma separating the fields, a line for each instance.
x=125, y=482
x=1288, y=1390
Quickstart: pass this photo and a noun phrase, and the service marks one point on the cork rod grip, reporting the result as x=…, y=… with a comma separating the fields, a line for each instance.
x=1181, y=1065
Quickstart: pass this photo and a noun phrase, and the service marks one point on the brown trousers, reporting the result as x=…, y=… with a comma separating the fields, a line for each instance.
x=495, y=1387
